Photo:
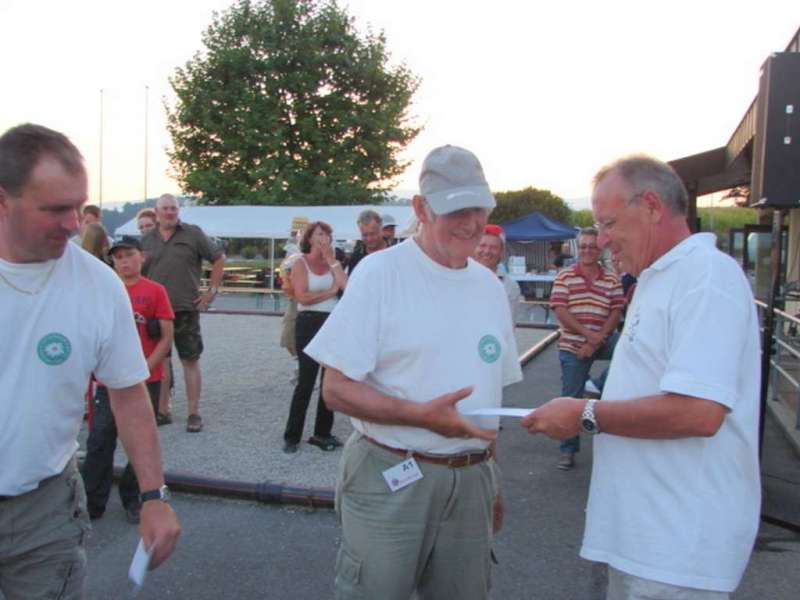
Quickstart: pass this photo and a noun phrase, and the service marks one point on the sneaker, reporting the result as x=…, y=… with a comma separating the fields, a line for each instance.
x=194, y=424
x=132, y=514
x=566, y=462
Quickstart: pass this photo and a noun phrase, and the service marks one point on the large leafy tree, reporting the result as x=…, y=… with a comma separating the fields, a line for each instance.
x=518, y=203
x=289, y=104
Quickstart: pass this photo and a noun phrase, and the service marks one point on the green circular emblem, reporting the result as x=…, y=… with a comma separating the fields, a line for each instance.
x=489, y=348
x=54, y=349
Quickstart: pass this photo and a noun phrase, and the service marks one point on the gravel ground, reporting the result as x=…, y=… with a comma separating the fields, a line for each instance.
x=245, y=400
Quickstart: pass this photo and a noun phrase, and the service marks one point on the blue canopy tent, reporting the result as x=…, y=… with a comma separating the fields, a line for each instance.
x=536, y=226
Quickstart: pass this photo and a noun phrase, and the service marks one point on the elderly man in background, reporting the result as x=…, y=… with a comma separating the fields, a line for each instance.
x=422, y=335
x=174, y=254
x=370, y=225
x=489, y=253
x=588, y=301
x=675, y=493
x=68, y=316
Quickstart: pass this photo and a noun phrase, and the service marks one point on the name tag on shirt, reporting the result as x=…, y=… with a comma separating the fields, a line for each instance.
x=403, y=474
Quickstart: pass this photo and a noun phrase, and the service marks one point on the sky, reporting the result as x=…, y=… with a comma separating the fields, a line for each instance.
x=544, y=93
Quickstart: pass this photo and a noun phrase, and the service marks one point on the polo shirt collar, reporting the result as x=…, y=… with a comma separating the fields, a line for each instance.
x=579, y=270
x=683, y=249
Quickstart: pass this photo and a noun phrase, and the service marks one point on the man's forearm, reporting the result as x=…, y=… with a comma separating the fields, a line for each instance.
x=362, y=401
x=217, y=268
x=570, y=323
x=662, y=416
x=611, y=323
x=137, y=429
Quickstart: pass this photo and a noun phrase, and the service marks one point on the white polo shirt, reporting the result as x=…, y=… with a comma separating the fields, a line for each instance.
x=415, y=330
x=683, y=511
x=81, y=322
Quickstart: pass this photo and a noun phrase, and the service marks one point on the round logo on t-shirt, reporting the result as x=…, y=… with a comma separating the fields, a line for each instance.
x=53, y=349
x=489, y=348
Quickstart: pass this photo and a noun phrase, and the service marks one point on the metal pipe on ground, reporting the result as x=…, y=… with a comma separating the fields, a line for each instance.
x=277, y=493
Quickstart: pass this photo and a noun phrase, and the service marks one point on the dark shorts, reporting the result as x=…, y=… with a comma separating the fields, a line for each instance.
x=188, y=340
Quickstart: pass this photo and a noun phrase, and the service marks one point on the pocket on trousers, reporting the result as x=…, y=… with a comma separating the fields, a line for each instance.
x=79, y=513
x=348, y=576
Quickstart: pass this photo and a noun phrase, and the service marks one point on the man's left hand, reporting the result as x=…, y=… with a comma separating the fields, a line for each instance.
x=558, y=419
x=203, y=302
x=159, y=529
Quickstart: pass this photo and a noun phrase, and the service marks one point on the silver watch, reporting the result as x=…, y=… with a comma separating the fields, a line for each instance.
x=588, y=420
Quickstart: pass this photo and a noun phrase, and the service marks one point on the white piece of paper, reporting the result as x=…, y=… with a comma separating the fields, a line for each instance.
x=498, y=412
x=139, y=564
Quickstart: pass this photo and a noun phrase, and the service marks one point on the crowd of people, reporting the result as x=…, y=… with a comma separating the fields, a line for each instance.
x=407, y=339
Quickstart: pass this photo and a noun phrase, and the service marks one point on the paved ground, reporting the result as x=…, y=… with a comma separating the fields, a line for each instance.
x=243, y=550
x=246, y=395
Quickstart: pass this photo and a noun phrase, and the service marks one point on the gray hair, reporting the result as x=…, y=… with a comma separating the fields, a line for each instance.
x=590, y=231
x=645, y=173
x=166, y=198
x=367, y=216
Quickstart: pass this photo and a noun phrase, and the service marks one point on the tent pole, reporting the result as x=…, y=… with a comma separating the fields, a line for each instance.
x=272, y=264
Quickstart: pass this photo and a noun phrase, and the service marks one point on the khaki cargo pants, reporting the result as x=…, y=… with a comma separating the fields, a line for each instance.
x=42, y=532
x=433, y=536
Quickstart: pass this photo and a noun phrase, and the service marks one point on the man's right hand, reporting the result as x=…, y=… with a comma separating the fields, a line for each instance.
x=159, y=529
x=595, y=338
x=441, y=416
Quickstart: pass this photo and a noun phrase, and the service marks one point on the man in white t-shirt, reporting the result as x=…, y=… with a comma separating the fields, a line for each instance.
x=675, y=493
x=68, y=315
x=422, y=335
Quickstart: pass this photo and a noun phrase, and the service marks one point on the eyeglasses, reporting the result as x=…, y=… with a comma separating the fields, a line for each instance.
x=608, y=224
x=587, y=247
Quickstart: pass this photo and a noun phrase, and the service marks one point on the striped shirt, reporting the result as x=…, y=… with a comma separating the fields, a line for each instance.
x=590, y=302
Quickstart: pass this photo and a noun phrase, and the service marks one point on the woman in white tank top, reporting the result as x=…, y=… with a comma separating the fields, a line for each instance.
x=317, y=279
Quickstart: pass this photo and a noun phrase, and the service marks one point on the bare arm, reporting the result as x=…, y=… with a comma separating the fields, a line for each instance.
x=300, y=286
x=362, y=401
x=662, y=416
x=159, y=353
x=217, y=268
x=137, y=430
x=339, y=276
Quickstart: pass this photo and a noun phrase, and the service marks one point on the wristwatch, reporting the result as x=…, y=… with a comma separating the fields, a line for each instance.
x=588, y=420
x=161, y=493
x=213, y=290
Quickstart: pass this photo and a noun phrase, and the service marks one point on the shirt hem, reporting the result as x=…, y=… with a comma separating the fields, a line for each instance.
x=714, y=584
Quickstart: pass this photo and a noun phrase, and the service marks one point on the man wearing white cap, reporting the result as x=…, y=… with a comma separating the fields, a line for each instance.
x=389, y=229
x=409, y=349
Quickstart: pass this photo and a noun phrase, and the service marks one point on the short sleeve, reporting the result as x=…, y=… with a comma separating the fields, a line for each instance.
x=708, y=331
x=350, y=338
x=616, y=294
x=559, y=294
x=121, y=362
x=207, y=249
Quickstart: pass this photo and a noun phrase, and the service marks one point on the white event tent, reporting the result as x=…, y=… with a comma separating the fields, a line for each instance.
x=275, y=222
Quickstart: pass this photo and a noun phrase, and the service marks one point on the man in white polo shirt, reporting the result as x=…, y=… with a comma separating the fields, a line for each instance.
x=422, y=334
x=64, y=315
x=675, y=493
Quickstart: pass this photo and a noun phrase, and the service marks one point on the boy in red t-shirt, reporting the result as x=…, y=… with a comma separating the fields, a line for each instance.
x=150, y=305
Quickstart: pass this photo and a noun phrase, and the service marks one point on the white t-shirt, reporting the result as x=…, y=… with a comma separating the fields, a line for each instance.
x=683, y=511
x=81, y=322
x=415, y=330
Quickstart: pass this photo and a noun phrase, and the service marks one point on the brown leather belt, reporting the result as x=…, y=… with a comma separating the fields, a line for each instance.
x=455, y=461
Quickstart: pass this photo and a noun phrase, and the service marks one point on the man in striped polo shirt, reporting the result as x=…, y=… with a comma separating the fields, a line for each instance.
x=588, y=301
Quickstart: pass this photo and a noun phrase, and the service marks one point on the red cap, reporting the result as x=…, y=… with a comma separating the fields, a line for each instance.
x=492, y=229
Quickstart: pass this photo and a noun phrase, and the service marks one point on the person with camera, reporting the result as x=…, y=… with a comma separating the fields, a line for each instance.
x=153, y=315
